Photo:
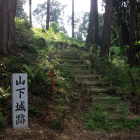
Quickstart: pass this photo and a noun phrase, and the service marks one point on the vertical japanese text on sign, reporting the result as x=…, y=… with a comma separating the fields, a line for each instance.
x=19, y=100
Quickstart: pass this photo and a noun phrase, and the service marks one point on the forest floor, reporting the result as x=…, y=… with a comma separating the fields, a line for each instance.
x=73, y=128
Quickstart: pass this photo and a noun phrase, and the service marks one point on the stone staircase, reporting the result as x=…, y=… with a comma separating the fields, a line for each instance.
x=95, y=88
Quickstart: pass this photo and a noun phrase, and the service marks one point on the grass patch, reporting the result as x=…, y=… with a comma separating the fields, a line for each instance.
x=97, y=120
x=2, y=125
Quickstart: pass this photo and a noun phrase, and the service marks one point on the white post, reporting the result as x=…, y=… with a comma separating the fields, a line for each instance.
x=19, y=100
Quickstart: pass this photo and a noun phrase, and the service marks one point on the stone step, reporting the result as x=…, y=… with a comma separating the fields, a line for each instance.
x=76, y=69
x=80, y=71
x=79, y=66
x=115, y=112
x=100, y=99
x=93, y=90
x=95, y=83
x=115, y=109
x=114, y=118
x=67, y=53
x=72, y=61
x=89, y=76
x=94, y=95
x=80, y=81
x=69, y=57
x=91, y=82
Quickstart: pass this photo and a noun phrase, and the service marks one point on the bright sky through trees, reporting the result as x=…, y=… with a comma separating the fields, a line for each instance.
x=80, y=5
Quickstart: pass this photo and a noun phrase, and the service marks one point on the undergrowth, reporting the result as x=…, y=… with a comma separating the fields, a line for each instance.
x=2, y=125
x=95, y=119
x=116, y=71
x=37, y=57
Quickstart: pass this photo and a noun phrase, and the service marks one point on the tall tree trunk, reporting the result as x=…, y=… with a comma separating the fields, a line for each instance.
x=30, y=12
x=90, y=27
x=72, y=18
x=132, y=49
x=95, y=26
x=7, y=26
x=107, y=28
x=48, y=15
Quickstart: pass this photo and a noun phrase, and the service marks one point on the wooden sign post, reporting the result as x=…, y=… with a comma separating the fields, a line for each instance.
x=19, y=100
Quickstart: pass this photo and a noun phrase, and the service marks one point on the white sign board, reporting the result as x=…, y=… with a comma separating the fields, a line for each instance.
x=19, y=100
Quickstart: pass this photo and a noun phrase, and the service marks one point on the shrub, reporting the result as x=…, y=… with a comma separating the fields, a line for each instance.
x=24, y=35
x=39, y=84
x=121, y=75
x=97, y=120
x=55, y=27
x=2, y=125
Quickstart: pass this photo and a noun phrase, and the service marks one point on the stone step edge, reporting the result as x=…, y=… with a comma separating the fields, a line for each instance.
x=88, y=91
x=81, y=71
x=86, y=76
x=107, y=98
x=80, y=66
x=125, y=118
x=85, y=84
x=73, y=61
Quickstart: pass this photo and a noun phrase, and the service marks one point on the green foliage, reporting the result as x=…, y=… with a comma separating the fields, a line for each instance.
x=2, y=125
x=121, y=75
x=56, y=12
x=39, y=83
x=97, y=120
x=4, y=93
x=118, y=75
x=49, y=35
x=20, y=13
x=113, y=101
x=55, y=27
x=81, y=21
x=24, y=35
x=36, y=38
x=32, y=110
x=4, y=76
x=63, y=70
x=124, y=109
x=56, y=124
x=114, y=51
x=56, y=117
x=114, y=104
x=13, y=64
x=75, y=41
x=112, y=91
